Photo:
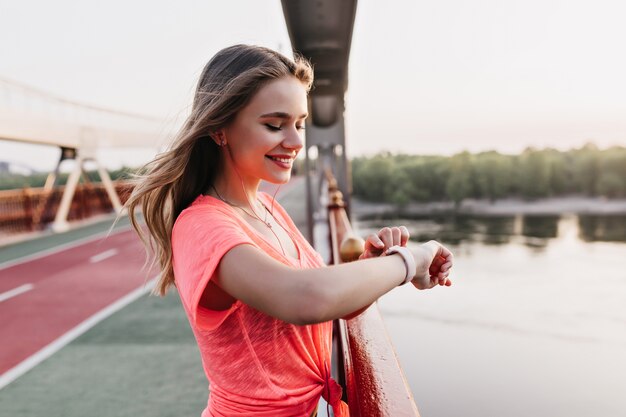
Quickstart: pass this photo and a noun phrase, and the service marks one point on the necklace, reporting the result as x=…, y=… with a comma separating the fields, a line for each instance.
x=255, y=216
x=264, y=221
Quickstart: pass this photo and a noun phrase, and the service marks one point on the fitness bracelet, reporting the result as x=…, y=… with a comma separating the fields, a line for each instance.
x=409, y=261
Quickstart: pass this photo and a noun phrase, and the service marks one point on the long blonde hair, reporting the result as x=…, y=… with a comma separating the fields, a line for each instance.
x=164, y=187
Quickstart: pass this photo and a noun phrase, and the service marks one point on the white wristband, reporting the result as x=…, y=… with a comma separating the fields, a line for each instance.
x=409, y=261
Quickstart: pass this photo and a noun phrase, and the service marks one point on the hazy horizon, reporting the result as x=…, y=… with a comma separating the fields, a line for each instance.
x=425, y=78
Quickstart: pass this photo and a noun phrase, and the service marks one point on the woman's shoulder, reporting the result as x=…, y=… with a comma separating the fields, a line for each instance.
x=203, y=209
x=205, y=224
x=207, y=204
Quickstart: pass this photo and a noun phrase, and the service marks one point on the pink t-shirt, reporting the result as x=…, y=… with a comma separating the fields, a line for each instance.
x=256, y=365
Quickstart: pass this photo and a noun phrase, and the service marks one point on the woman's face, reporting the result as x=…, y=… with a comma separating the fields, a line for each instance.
x=267, y=134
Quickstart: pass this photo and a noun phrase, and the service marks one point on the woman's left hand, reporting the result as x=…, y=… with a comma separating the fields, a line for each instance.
x=378, y=243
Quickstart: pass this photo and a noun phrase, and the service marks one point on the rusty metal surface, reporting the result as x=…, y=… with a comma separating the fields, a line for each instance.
x=32, y=209
x=375, y=382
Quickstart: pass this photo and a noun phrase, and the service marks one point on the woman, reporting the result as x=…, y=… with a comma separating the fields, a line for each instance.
x=259, y=299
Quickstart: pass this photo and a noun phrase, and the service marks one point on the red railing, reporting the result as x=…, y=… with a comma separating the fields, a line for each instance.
x=32, y=209
x=372, y=375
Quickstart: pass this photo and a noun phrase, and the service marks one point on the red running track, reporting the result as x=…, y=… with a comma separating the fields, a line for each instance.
x=68, y=287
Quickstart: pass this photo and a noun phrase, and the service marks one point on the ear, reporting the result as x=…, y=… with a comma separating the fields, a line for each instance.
x=218, y=138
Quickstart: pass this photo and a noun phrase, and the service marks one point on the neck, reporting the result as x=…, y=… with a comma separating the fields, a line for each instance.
x=237, y=189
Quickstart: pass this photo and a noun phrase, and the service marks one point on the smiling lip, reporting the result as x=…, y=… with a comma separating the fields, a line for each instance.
x=285, y=163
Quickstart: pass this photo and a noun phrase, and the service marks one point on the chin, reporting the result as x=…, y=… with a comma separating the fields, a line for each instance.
x=275, y=180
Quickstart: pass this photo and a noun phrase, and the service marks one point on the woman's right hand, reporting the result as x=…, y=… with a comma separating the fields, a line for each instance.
x=434, y=262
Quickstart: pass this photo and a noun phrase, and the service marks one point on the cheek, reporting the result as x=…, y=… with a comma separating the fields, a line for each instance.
x=253, y=144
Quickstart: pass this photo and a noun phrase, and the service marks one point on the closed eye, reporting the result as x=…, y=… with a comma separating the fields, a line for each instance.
x=272, y=127
x=278, y=128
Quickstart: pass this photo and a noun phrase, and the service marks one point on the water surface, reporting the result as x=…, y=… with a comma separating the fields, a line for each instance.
x=534, y=324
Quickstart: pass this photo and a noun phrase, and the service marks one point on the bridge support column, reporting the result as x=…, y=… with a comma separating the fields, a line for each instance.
x=108, y=186
x=60, y=223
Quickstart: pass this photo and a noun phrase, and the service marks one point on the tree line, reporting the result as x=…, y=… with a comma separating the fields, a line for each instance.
x=401, y=178
x=11, y=181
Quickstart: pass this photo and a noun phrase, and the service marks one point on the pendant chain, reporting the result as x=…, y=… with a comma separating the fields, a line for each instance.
x=264, y=221
x=255, y=216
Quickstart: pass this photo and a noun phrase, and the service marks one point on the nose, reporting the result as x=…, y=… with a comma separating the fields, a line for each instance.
x=294, y=139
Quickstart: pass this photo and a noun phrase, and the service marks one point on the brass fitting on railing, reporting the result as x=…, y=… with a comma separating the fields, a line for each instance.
x=351, y=248
x=335, y=196
x=336, y=199
x=332, y=184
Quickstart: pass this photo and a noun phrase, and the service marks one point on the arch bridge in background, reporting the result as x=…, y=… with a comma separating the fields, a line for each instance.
x=31, y=115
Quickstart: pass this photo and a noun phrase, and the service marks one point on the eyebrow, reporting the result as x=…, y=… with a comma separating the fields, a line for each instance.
x=282, y=115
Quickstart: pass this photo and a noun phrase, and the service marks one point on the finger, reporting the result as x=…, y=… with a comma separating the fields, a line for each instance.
x=373, y=241
x=404, y=235
x=386, y=236
x=445, y=253
x=439, y=261
x=433, y=282
x=438, y=266
x=396, y=233
x=448, y=282
x=446, y=266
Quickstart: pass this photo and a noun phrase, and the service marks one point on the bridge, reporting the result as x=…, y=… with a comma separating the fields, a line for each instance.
x=31, y=115
x=69, y=265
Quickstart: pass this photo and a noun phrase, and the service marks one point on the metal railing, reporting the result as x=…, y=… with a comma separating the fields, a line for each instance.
x=31, y=209
x=374, y=383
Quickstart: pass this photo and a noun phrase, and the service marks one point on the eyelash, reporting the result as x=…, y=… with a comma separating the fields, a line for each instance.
x=276, y=129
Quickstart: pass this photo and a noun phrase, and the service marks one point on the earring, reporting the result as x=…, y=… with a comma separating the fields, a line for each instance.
x=221, y=139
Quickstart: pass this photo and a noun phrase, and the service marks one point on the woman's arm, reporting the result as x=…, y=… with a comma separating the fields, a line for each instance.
x=307, y=296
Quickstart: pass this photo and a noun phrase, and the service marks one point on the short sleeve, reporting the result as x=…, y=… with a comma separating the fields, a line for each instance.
x=316, y=258
x=200, y=238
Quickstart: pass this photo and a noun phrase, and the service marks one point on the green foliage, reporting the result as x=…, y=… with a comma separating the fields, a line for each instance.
x=374, y=177
x=533, y=174
x=16, y=181
x=610, y=185
x=459, y=184
x=9, y=181
x=493, y=174
x=588, y=166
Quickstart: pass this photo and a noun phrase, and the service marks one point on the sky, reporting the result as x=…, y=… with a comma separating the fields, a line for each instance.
x=425, y=77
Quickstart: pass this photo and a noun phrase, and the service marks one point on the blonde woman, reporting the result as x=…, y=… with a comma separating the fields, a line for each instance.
x=259, y=299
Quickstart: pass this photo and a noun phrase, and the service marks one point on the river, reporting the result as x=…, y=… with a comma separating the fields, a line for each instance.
x=533, y=325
